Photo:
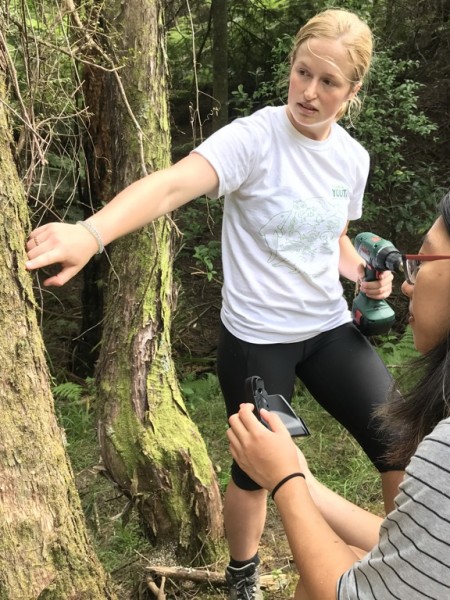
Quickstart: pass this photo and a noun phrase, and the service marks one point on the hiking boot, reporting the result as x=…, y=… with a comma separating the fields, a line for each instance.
x=243, y=583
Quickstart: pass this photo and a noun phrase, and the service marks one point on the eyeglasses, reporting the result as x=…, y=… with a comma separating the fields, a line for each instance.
x=412, y=262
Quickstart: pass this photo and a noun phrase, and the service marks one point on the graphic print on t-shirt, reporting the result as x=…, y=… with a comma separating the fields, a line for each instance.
x=297, y=237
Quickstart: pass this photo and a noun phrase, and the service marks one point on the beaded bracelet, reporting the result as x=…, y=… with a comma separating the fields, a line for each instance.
x=93, y=231
x=283, y=481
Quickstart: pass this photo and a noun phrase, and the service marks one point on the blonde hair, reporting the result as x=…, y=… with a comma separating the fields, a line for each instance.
x=356, y=37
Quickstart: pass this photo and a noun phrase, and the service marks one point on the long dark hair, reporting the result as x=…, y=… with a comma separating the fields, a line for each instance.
x=428, y=401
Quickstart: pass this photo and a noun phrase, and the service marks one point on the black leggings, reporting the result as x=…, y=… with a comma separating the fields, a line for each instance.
x=340, y=368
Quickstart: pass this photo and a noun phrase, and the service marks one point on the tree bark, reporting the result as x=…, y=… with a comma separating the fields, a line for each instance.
x=44, y=548
x=149, y=444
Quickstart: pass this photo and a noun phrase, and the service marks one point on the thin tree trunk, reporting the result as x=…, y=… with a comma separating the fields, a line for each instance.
x=149, y=444
x=44, y=547
x=219, y=10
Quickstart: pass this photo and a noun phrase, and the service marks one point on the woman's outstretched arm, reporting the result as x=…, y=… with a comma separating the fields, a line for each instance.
x=137, y=205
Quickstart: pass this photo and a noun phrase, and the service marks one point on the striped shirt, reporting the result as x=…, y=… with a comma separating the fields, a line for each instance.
x=412, y=558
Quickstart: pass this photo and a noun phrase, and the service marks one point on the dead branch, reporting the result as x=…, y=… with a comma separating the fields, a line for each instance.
x=186, y=574
x=271, y=581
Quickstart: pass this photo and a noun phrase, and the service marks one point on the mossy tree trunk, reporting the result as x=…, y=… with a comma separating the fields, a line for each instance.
x=149, y=444
x=44, y=547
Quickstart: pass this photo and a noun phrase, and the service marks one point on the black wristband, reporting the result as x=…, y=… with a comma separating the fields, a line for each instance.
x=283, y=481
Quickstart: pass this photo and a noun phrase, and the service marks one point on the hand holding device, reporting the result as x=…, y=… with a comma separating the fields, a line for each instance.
x=374, y=317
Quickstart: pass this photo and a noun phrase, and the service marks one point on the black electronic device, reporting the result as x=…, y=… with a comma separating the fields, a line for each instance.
x=256, y=393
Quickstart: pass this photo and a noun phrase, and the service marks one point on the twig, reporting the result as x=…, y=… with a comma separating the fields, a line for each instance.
x=194, y=320
x=158, y=592
x=187, y=574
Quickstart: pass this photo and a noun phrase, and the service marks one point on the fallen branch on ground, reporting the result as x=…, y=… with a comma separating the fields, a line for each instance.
x=274, y=580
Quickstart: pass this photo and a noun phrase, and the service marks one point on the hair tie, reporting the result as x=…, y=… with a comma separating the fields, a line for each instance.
x=283, y=481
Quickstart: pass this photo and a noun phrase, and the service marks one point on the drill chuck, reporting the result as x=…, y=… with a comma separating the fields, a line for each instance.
x=380, y=254
x=388, y=259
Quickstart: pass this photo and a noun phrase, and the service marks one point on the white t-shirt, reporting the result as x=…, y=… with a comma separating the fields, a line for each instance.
x=287, y=200
x=412, y=558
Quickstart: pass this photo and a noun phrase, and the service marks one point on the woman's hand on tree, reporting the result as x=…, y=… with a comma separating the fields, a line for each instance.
x=72, y=246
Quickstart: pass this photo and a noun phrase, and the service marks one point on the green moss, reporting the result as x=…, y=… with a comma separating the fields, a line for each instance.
x=124, y=432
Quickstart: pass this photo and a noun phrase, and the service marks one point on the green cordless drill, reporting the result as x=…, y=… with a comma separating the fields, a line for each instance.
x=374, y=317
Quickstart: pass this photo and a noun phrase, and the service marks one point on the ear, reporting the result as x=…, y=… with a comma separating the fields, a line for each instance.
x=354, y=91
